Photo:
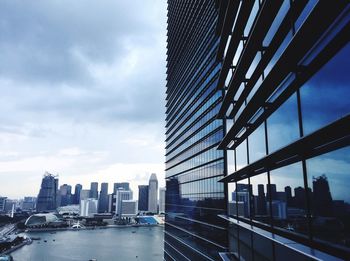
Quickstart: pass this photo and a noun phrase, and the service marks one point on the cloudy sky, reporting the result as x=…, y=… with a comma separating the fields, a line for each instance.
x=82, y=92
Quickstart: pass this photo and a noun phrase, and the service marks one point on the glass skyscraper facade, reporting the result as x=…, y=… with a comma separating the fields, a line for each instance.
x=285, y=74
x=194, y=198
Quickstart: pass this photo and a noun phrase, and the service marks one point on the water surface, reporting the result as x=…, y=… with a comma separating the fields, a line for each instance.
x=142, y=243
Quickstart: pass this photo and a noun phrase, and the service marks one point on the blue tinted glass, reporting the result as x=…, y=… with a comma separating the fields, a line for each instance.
x=329, y=179
x=283, y=125
x=326, y=96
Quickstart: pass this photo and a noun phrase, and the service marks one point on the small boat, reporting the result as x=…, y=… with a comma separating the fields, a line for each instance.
x=133, y=232
x=45, y=240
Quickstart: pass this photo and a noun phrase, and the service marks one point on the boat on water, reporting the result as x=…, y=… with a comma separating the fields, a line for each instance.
x=35, y=238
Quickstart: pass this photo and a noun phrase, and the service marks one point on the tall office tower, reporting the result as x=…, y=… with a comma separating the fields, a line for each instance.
x=143, y=198
x=162, y=200
x=84, y=194
x=28, y=203
x=103, y=199
x=285, y=76
x=65, y=194
x=77, y=190
x=194, y=198
x=47, y=198
x=119, y=196
x=2, y=204
x=120, y=185
x=153, y=194
x=88, y=207
x=94, y=190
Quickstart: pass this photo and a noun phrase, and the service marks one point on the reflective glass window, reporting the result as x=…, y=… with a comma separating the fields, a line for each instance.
x=325, y=97
x=329, y=179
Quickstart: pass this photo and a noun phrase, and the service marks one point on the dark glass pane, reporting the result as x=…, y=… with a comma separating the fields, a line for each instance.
x=328, y=176
x=288, y=197
x=325, y=97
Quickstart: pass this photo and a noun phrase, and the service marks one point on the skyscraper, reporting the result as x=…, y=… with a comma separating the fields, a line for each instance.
x=77, y=190
x=194, y=198
x=47, y=198
x=103, y=199
x=162, y=200
x=119, y=197
x=285, y=79
x=120, y=185
x=153, y=194
x=94, y=190
x=65, y=194
x=143, y=198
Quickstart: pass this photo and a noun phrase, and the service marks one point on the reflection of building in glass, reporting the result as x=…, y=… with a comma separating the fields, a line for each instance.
x=194, y=198
x=285, y=78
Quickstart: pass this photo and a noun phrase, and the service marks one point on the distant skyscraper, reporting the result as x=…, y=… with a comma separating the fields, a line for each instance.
x=143, y=198
x=322, y=198
x=2, y=204
x=121, y=195
x=121, y=185
x=94, y=190
x=28, y=203
x=103, y=199
x=88, y=207
x=65, y=194
x=153, y=194
x=77, y=190
x=129, y=208
x=161, y=200
x=47, y=198
x=84, y=194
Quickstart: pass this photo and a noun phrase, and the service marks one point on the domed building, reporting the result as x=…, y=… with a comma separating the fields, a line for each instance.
x=44, y=220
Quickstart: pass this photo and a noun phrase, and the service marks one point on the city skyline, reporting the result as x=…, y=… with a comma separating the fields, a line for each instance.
x=72, y=104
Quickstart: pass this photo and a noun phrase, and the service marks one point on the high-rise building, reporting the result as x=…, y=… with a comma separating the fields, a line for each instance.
x=77, y=190
x=129, y=208
x=194, y=198
x=103, y=199
x=162, y=200
x=121, y=195
x=153, y=194
x=84, y=194
x=28, y=203
x=2, y=204
x=48, y=194
x=121, y=185
x=88, y=207
x=65, y=195
x=285, y=79
x=94, y=190
x=143, y=198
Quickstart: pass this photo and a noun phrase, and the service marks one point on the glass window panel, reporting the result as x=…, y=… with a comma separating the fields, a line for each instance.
x=259, y=201
x=288, y=197
x=325, y=97
x=283, y=125
x=241, y=196
x=257, y=148
x=241, y=155
x=328, y=176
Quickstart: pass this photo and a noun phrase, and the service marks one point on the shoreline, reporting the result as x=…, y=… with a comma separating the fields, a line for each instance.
x=30, y=230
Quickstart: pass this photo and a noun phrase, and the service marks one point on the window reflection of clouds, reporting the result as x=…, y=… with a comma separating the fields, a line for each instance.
x=283, y=125
x=325, y=97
